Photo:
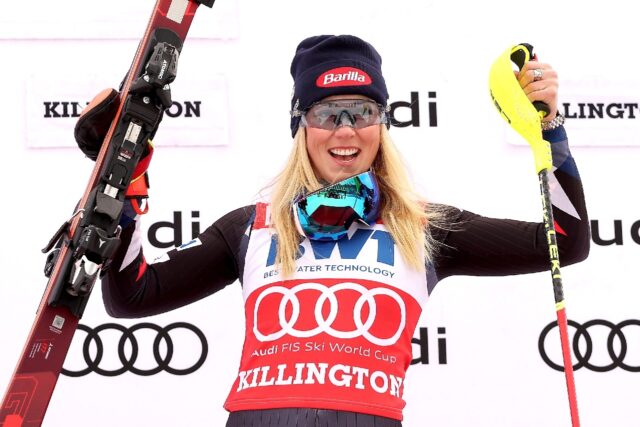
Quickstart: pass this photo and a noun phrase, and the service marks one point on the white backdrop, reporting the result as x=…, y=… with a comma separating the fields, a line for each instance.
x=235, y=68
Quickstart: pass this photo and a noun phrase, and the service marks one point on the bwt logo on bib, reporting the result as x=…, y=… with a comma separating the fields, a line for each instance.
x=348, y=248
x=343, y=76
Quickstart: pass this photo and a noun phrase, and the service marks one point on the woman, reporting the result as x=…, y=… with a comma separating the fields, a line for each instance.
x=335, y=269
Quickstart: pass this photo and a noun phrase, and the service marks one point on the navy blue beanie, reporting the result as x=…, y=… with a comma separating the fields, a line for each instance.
x=334, y=65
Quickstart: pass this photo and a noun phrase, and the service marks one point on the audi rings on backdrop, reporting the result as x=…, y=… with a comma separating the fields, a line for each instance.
x=128, y=362
x=616, y=353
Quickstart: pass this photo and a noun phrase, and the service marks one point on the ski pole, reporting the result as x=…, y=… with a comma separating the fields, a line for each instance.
x=525, y=118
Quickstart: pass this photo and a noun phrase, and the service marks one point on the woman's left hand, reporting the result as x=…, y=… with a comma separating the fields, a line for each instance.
x=540, y=83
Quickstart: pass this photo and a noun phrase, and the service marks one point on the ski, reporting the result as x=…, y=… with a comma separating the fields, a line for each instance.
x=84, y=245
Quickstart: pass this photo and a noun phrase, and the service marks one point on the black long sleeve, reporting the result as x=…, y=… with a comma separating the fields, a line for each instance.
x=188, y=273
x=480, y=246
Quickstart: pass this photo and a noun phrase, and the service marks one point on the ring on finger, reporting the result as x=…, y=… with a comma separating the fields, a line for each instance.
x=537, y=74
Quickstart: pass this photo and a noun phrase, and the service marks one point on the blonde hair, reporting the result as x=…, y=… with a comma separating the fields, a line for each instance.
x=405, y=214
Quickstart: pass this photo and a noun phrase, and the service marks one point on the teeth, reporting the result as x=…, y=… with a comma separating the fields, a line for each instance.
x=344, y=151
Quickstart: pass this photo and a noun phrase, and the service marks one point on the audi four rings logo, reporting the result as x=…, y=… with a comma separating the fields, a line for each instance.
x=325, y=324
x=617, y=354
x=163, y=334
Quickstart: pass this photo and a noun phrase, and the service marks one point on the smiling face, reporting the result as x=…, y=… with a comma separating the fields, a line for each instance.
x=342, y=152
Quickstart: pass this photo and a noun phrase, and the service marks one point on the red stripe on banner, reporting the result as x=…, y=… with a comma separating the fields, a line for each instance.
x=559, y=229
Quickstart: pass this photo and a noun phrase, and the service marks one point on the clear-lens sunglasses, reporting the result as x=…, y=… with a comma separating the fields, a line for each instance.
x=355, y=113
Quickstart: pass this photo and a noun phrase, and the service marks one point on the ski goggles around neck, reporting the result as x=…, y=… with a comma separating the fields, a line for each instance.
x=326, y=214
x=355, y=113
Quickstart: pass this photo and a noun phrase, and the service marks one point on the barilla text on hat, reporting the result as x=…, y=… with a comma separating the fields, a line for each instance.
x=343, y=76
